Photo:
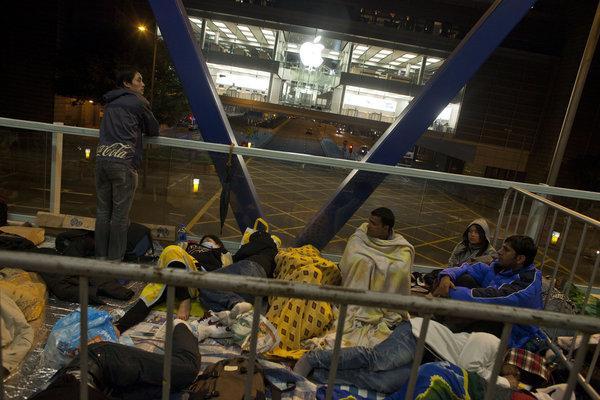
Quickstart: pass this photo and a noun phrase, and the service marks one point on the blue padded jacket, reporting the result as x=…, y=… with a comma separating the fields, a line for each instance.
x=522, y=288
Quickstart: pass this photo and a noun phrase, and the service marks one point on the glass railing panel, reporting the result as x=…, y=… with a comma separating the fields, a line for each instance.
x=572, y=242
x=25, y=160
x=78, y=191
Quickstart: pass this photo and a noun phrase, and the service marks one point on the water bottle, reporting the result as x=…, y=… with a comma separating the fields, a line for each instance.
x=181, y=235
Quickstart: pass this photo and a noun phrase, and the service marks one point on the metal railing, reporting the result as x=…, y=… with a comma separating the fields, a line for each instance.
x=537, y=221
x=310, y=159
x=86, y=268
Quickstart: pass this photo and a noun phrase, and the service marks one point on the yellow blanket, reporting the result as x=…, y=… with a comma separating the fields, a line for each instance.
x=26, y=289
x=296, y=319
x=35, y=235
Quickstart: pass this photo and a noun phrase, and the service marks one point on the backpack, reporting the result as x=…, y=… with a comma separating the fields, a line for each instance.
x=75, y=243
x=14, y=242
x=225, y=380
x=139, y=242
x=81, y=243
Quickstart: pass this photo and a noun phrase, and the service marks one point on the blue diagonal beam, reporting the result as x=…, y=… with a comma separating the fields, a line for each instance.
x=460, y=66
x=206, y=105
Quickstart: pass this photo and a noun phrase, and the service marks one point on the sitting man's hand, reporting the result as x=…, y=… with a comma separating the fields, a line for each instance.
x=443, y=287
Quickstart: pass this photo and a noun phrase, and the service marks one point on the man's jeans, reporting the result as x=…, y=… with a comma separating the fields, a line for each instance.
x=115, y=187
x=219, y=301
x=383, y=368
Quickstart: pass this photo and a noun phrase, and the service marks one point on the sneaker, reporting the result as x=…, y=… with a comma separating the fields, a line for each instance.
x=240, y=308
x=223, y=317
x=209, y=328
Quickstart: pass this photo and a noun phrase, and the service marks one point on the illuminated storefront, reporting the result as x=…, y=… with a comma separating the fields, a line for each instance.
x=307, y=70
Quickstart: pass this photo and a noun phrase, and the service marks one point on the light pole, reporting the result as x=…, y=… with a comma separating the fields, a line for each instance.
x=143, y=29
x=155, y=40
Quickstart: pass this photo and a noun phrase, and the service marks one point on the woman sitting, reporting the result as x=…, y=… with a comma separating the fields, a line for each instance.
x=475, y=246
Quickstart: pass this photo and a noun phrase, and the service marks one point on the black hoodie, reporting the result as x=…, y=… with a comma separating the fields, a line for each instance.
x=127, y=117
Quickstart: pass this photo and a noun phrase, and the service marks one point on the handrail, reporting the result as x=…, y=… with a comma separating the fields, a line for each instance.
x=275, y=287
x=316, y=160
x=556, y=206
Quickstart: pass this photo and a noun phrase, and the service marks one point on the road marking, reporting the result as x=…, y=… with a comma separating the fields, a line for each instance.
x=186, y=176
x=65, y=191
x=430, y=259
x=438, y=241
x=565, y=269
x=202, y=211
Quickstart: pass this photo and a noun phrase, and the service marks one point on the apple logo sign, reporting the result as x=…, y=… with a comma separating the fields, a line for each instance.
x=310, y=53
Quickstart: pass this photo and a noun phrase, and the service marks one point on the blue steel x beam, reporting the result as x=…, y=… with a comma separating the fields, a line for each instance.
x=206, y=105
x=461, y=65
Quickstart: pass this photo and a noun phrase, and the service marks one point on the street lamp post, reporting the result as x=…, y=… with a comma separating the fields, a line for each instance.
x=153, y=65
x=143, y=29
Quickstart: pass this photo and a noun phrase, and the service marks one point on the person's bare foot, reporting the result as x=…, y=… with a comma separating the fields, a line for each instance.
x=183, y=312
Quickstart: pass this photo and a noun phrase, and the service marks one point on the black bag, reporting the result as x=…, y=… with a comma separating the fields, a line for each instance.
x=81, y=243
x=139, y=242
x=225, y=380
x=3, y=212
x=75, y=243
x=14, y=242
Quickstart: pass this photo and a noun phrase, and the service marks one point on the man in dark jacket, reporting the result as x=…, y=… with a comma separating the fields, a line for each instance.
x=127, y=117
x=116, y=371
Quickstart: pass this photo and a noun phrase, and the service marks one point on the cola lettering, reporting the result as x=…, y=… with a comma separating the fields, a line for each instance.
x=115, y=150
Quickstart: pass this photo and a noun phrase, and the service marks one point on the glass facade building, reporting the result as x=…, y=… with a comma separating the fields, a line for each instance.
x=314, y=71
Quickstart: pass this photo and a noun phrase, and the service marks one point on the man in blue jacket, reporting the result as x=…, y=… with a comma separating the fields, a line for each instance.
x=127, y=117
x=512, y=280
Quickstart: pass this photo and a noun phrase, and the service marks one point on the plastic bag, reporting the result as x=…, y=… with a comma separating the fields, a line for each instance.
x=64, y=339
x=268, y=338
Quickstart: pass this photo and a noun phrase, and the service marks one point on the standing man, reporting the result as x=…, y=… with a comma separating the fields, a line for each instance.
x=127, y=117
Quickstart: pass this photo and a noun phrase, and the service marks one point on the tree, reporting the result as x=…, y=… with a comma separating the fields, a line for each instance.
x=170, y=103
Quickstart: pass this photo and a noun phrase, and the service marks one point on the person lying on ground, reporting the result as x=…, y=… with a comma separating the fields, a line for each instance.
x=254, y=259
x=512, y=280
x=155, y=293
x=386, y=366
x=475, y=246
x=116, y=371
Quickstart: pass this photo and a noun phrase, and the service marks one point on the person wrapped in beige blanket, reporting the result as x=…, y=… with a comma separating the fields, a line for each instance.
x=377, y=259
